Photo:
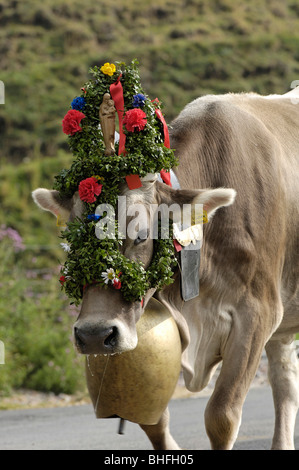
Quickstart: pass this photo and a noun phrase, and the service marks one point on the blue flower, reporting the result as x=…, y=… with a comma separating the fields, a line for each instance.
x=78, y=103
x=93, y=217
x=138, y=100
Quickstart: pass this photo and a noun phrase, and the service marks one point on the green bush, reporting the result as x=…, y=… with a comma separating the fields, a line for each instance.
x=35, y=324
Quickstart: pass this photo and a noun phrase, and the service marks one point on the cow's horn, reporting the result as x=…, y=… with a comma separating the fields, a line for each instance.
x=150, y=178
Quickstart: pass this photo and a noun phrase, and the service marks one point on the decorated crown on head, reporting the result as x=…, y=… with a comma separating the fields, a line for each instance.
x=101, y=165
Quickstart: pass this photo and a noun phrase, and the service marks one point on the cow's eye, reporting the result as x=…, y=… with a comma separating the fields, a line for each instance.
x=141, y=237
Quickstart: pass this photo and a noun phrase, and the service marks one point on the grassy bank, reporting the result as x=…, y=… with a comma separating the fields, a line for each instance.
x=185, y=49
x=35, y=317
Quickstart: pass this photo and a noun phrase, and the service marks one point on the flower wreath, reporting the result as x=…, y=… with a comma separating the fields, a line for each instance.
x=97, y=177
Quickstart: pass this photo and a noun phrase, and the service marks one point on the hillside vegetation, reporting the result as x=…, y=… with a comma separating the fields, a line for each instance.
x=185, y=48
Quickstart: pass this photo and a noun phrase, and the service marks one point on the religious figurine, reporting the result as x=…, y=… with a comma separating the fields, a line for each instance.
x=107, y=120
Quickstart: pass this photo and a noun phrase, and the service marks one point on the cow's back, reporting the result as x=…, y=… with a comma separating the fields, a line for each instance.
x=250, y=143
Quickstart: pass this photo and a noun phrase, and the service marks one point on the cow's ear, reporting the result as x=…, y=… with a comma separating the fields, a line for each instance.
x=211, y=199
x=50, y=200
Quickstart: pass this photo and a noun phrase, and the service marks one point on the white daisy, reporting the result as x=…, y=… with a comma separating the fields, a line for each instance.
x=66, y=247
x=108, y=275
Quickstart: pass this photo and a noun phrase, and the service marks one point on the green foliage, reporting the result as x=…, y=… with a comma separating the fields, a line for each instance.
x=35, y=327
x=88, y=257
x=17, y=209
x=35, y=318
x=145, y=151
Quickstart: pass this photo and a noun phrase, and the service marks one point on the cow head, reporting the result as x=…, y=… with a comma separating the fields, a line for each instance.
x=106, y=323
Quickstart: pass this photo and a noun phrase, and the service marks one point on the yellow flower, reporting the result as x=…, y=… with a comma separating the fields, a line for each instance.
x=108, y=69
x=98, y=177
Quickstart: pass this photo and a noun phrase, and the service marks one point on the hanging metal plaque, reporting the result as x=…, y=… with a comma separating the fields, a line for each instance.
x=190, y=263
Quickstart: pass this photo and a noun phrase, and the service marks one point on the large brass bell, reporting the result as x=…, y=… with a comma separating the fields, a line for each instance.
x=137, y=385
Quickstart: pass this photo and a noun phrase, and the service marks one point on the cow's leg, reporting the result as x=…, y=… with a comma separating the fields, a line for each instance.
x=159, y=434
x=241, y=353
x=284, y=379
x=224, y=410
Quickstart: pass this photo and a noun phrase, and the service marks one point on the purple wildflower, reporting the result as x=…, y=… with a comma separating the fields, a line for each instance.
x=12, y=235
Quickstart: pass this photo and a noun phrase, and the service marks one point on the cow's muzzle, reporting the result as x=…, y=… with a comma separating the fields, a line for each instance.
x=104, y=338
x=96, y=340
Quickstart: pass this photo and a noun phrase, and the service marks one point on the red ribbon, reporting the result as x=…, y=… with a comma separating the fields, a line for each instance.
x=177, y=245
x=133, y=181
x=165, y=128
x=116, y=91
x=165, y=175
x=117, y=94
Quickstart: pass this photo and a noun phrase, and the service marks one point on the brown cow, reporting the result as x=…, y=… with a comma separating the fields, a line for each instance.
x=249, y=263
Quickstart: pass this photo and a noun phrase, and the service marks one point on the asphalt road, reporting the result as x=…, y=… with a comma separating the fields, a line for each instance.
x=75, y=428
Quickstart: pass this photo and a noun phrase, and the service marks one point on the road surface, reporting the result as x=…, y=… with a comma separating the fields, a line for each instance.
x=75, y=427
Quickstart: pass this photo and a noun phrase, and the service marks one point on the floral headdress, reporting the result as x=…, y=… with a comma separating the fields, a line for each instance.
x=97, y=173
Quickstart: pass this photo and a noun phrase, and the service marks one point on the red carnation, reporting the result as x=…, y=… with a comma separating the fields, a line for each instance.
x=135, y=119
x=71, y=121
x=62, y=280
x=89, y=189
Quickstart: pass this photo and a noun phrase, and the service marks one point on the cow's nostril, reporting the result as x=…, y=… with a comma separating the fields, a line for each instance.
x=111, y=339
x=78, y=337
